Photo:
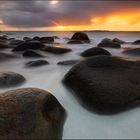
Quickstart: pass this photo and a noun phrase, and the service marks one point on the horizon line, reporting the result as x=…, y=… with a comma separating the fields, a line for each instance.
x=68, y=31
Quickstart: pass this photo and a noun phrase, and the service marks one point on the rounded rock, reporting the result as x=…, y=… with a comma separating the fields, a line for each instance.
x=30, y=113
x=105, y=84
x=10, y=79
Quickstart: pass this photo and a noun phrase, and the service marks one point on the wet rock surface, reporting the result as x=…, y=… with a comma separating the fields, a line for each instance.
x=31, y=53
x=68, y=62
x=36, y=63
x=95, y=51
x=30, y=113
x=80, y=36
x=135, y=51
x=105, y=84
x=29, y=45
x=10, y=79
x=6, y=56
x=57, y=50
x=108, y=43
x=137, y=42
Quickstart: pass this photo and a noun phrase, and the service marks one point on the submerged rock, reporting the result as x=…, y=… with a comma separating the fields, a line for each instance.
x=135, y=51
x=36, y=63
x=46, y=40
x=6, y=56
x=116, y=40
x=75, y=42
x=30, y=113
x=57, y=50
x=108, y=43
x=137, y=42
x=95, y=51
x=80, y=36
x=31, y=53
x=4, y=37
x=16, y=42
x=26, y=38
x=36, y=38
x=29, y=45
x=10, y=79
x=4, y=46
x=68, y=62
x=105, y=84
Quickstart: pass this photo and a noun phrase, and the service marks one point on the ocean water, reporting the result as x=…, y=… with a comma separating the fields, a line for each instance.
x=80, y=123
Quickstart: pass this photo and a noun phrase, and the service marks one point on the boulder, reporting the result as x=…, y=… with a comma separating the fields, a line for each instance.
x=66, y=38
x=80, y=36
x=6, y=56
x=4, y=37
x=108, y=43
x=36, y=38
x=137, y=42
x=36, y=63
x=29, y=45
x=47, y=40
x=95, y=51
x=10, y=79
x=55, y=37
x=57, y=50
x=26, y=38
x=105, y=84
x=135, y=51
x=68, y=62
x=3, y=41
x=75, y=42
x=30, y=113
x=16, y=42
x=116, y=40
x=30, y=53
x=4, y=46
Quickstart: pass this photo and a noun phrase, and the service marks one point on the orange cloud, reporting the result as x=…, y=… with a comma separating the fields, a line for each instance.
x=119, y=21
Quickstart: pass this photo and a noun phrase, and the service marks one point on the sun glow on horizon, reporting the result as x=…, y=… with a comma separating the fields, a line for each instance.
x=121, y=21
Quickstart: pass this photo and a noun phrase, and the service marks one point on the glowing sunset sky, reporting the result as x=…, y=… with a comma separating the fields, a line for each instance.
x=58, y=15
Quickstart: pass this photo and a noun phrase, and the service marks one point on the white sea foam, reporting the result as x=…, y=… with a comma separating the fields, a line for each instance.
x=80, y=123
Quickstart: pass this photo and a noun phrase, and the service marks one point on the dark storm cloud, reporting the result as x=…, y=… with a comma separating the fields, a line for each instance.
x=42, y=13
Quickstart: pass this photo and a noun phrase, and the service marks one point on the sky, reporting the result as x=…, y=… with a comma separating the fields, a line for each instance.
x=69, y=15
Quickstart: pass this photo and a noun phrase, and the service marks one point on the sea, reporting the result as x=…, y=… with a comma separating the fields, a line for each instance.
x=80, y=123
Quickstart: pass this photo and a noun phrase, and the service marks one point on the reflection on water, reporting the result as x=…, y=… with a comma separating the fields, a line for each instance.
x=80, y=123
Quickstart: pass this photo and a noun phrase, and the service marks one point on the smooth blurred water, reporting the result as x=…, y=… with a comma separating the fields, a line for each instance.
x=80, y=123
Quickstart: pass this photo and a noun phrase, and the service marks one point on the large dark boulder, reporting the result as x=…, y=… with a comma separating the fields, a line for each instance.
x=80, y=36
x=30, y=113
x=10, y=79
x=36, y=63
x=30, y=53
x=29, y=45
x=95, y=51
x=137, y=42
x=108, y=43
x=105, y=84
x=57, y=50
x=135, y=51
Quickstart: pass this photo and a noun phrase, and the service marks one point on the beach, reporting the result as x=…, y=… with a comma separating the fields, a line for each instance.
x=80, y=123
